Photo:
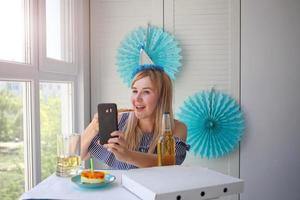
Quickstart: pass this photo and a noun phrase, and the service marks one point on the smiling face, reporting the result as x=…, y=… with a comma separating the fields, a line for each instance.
x=151, y=97
x=144, y=98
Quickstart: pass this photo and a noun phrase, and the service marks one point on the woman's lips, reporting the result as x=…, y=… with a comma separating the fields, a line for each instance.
x=139, y=108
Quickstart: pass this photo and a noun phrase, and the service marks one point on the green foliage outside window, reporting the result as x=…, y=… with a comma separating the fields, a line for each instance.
x=12, y=147
x=11, y=128
x=50, y=127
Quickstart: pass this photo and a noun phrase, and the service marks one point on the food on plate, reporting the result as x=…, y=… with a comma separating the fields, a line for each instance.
x=89, y=176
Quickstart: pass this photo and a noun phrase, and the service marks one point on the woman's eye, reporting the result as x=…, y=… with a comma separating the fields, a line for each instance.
x=134, y=91
x=147, y=92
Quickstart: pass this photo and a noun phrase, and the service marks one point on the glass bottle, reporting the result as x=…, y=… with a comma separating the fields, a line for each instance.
x=166, y=143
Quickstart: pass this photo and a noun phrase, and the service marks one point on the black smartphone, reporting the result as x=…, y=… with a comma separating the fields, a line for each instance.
x=108, y=120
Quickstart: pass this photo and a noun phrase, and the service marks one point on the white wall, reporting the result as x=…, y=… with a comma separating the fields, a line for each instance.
x=270, y=96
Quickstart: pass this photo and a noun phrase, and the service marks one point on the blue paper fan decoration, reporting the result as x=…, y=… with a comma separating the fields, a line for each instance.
x=160, y=46
x=214, y=121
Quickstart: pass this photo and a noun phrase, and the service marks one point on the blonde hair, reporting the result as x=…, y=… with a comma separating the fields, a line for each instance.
x=163, y=84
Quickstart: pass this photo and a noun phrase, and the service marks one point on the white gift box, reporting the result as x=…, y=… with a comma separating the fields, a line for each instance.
x=180, y=183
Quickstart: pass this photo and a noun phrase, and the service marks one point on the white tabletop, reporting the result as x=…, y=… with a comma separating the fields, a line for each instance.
x=196, y=180
x=63, y=188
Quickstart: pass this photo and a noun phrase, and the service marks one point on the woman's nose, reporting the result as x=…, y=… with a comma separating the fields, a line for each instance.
x=138, y=96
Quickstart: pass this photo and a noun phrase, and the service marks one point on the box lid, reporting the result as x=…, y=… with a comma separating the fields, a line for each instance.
x=173, y=179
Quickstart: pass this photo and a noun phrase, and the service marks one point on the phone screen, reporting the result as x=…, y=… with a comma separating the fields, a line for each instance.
x=108, y=120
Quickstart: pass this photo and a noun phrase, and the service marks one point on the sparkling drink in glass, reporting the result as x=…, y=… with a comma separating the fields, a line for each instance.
x=68, y=155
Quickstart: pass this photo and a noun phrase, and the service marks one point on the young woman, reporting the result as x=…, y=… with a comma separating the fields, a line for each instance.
x=135, y=144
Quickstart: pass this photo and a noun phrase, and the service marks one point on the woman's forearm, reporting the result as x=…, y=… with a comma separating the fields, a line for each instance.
x=141, y=159
x=86, y=138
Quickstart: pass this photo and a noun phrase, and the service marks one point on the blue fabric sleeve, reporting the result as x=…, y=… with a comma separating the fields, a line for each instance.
x=180, y=149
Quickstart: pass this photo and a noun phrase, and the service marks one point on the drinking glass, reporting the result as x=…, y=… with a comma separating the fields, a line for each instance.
x=68, y=155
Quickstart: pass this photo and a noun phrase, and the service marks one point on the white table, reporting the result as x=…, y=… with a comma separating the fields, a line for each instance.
x=199, y=180
x=55, y=187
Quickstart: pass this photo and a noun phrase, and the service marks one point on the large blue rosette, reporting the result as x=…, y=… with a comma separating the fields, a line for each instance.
x=160, y=46
x=214, y=121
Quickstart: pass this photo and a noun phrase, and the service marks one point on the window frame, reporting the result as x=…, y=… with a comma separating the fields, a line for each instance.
x=49, y=64
x=19, y=70
x=36, y=71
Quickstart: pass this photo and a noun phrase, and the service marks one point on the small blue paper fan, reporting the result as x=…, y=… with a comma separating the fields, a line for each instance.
x=160, y=46
x=214, y=121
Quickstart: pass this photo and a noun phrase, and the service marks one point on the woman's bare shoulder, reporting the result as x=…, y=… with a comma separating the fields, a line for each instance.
x=180, y=130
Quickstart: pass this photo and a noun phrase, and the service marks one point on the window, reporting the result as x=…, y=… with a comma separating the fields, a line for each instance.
x=13, y=107
x=56, y=113
x=14, y=28
x=37, y=90
x=57, y=44
x=59, y=30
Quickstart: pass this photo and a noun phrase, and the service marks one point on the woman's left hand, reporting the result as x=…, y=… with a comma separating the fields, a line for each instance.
x=118, y=146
